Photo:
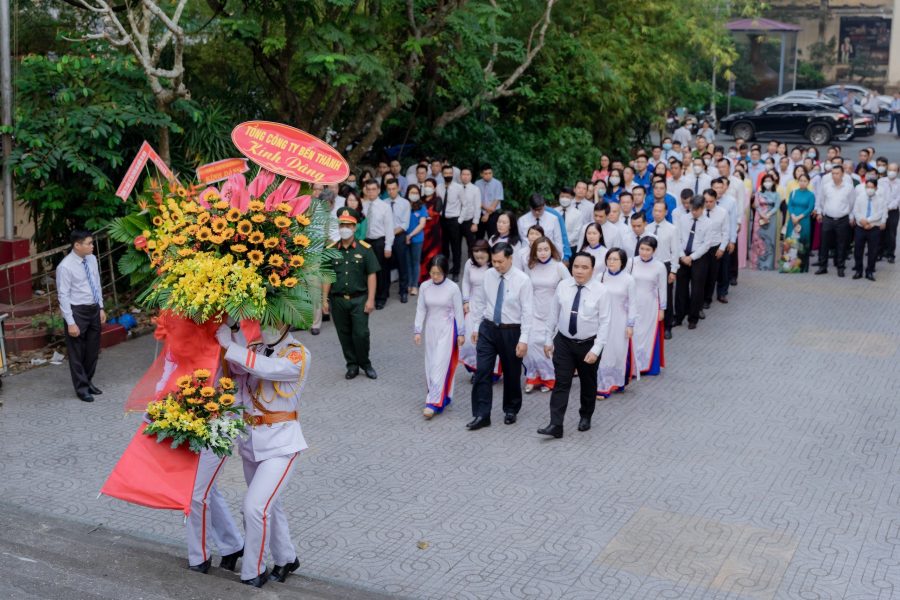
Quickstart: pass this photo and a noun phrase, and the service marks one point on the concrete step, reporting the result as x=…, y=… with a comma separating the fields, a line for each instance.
x=31, y=307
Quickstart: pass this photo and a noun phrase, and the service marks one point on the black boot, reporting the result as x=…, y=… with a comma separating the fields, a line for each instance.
x=229, y=561
x=258, y=581
x=280, y=572
x=202, y=567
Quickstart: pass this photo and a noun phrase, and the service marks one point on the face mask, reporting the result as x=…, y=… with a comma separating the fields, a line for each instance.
x=413, y=198
x=352, y=184
x=697, y=169
x=870, y=192
x=892, y=175
x=345, y=232
x=881, y=169
x=429, y=190
x=270, y=336
x=768, y=185
x=811, y=155
x=614, y=181
x=754, y=161
x=327, y=195
x=871, y=177
x=732, y=155
x=667, y=146
x=565, y=202
x=601, y=191
x=707, y=161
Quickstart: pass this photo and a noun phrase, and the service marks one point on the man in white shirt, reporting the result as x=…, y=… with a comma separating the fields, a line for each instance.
x=582, y=203
x=719, y=236
x=691, y=278
x=400, y=208
x=576, y=333
x=726, y=201
x=572, y=216
x=632, y=239
x=626, y=209
x=401, y=179
x=80, y=297
x=502, y=310
x=698, y=181
x=678, y=180
x=537, y=216
x=379, y=235
x=611, y=233
x=682, y=135
x=668, y=250
x=890, y=190
x=471, y=207
x=615, y=219
x=491, y=201
x=451, y=231
x=834, y=202
x=870, y=216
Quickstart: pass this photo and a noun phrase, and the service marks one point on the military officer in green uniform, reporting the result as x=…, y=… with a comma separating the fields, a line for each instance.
x=351, y=297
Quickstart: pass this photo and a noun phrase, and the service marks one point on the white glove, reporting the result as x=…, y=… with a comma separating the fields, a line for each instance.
x=223, y=335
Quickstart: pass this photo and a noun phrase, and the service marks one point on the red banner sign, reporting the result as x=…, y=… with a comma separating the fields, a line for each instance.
x=290, y=152
x=222, y=169
x=145, y=153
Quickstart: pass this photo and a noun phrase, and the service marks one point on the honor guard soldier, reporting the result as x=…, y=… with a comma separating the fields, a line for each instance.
x=269, y=378
x=351, y=298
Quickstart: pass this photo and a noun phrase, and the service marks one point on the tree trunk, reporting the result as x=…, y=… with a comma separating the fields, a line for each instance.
x=164, y=150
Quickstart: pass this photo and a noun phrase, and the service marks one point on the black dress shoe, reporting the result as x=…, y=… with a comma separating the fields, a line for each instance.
x=95, y=390
x=722, y=299
x=840, y=272
x=707, y=304
x=202, y=567
x=314, y=331
x=890, y=260
x=379, y=306
x=404, y=299
x=553, y=430
x=229, y=561
x=478, y=423
x=702, y=315
x=822, y=271
x=370, y=373
x=857, y=275
x=280, y=572
x=692, y=326
x=352, y=372
x=870, y=276
x=509, y=419
x=258, y=581
x=86, y=398
x=667, y=335
x=733, y=282
x=677, y=323
x=326, y=318
x=584, y=424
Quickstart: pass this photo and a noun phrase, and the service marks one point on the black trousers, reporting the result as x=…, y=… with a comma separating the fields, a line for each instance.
x=469, y=235
x=724, y=274
x=668, y=317
x=451, y=242
x=568, y=357
x=712, y=274
x=835, y=237
x=689, y=288
x=861, y=239
x=489, y=227
x=383, y=277
x=85, y=348
x=398, y=261
x=889, y=236
x=733, y=264
x=494, y=341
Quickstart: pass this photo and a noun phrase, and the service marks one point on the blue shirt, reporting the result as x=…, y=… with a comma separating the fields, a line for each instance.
x=671, y=203
x=613, y=197
x=567, y=251
x=644, y=181
x=414, y=217
x=490, y=191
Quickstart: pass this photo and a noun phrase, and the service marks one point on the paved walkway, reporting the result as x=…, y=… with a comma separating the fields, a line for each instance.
x=761, y=464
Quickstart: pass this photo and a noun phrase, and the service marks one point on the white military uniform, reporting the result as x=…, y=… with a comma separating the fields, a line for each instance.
x=269, y=380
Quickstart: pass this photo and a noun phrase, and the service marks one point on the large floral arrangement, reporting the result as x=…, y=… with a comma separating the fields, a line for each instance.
x=200, y=414
x=245, y=251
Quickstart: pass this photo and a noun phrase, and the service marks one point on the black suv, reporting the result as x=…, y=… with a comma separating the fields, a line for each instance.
x=817, y=120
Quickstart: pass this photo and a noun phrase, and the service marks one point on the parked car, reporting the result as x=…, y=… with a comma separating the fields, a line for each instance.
x=816, y=120
x=864, y=126
x=860, y=92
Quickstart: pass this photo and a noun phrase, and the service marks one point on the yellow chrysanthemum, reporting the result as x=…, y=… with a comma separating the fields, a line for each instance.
x=239, y=248
x=226, y=399
x=211, y=406
x=255, y=257
x=289, y=282
x=297, y=261
x=256, y=237
x=258, y=218
x=207, y=391
x=256, y=205
x=233, y=215
x=282, y=222
x=276, y=260
x=202, y=374
x=301, y=240
x=244, y=227
x=284, y=207
x=271, y=243
x=183, y=381
x=203, y=218
x=151, y=244
x=226, y=383
x=219, y=224
x=221, y=205
x=303, y=220
x=275, y=280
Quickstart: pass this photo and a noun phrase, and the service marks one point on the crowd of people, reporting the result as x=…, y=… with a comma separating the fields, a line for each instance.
x=595, y=280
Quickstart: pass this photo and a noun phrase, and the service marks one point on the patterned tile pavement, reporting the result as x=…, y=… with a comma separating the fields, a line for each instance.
x=762, y=464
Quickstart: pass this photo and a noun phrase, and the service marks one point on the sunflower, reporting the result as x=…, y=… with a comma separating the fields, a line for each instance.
x=192, y=229
x=233, y=215
x=207, y=391
x=301, y=240
x=183, y=381
x=228, y=233
x=303, y=220
x=275, y=280
x=256, y=205
x=211, y=406
x=297, y=260
x=244, y=227
x=271, y=242
x=184, y=252
x=239, y=248
x=219, y=224
x=282, y=222
x=255, y=257
x=157, y=220
x=276, y=260
x=182, y=193
x=204, y=234
x=202, y=374
x=284, y=207
x=256, y=237
x=179, y=239
x=258, y=218
x=217, y=239
x=151, y=244
x=221, y=204
x=226, y=383
x=289, y=282
x=202, y=218
x=188, y=391
x=226, y=399
x=196, y=400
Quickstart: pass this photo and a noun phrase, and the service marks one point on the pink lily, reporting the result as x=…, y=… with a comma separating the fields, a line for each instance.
x=300, y=205
x=286, y=192
x=261, y=183
x=236, y=192
x=202, y=200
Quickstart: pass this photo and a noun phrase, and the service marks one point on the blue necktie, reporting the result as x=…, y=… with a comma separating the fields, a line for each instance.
x=87, y=273
x=869, y=209
x=498, y=305
x=573, y=315
x=690, y=241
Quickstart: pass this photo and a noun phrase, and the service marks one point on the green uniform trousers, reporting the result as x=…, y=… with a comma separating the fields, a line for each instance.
x=352, y=325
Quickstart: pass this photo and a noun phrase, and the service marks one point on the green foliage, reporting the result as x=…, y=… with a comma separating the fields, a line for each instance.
x=809, y=75
x=79, y=121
